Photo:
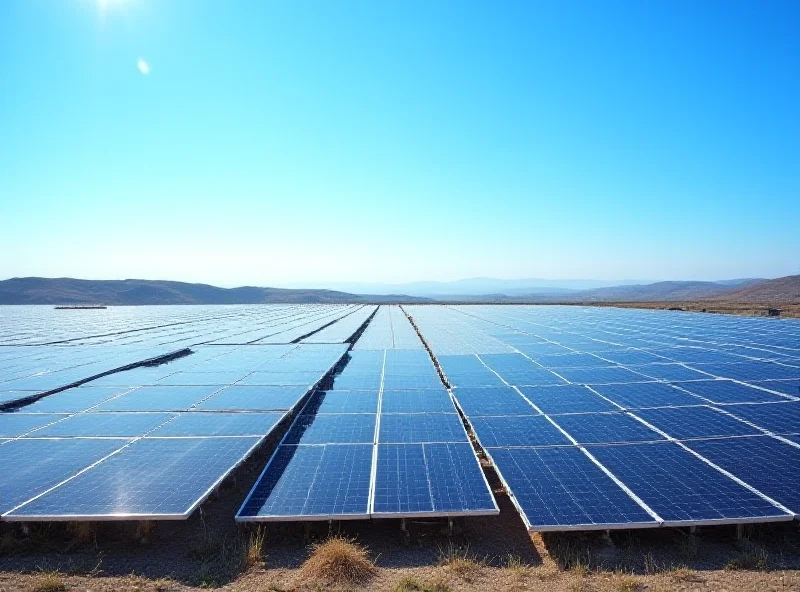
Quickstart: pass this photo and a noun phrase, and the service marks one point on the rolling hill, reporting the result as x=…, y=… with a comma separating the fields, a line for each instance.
x=33, y=290
x=785, y=289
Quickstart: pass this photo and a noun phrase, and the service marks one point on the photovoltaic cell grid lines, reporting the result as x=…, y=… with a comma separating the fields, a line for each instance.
x=579, y=412
x=386, y=440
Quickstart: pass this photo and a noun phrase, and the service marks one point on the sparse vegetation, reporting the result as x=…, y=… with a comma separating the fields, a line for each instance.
x=460, y=561
x=411, y=585
x=49, y=581
x=254, y=550
x=751, y=556
x=338, y=561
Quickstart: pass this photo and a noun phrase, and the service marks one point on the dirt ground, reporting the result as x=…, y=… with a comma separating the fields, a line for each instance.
x=488, y=553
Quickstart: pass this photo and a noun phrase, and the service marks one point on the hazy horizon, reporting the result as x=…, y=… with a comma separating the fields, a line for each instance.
x=275, y=144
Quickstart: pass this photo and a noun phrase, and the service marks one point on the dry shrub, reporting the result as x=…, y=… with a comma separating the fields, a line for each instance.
x=49, y=581
x=337, y=562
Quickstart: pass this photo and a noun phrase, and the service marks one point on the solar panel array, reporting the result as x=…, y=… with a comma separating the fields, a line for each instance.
x=385, y=441
x=594, y=418
x=152, y=441
x=612, y=418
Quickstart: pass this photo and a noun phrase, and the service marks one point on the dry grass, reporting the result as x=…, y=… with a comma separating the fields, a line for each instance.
x=752, y=556
x=254, y=550
x=49, y=581
x=337, y=562
x=623, y=582
x=409, y=584
x=683, y=574
x=460, y=562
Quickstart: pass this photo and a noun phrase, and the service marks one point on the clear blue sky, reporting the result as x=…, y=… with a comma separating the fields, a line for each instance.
x=278, y=143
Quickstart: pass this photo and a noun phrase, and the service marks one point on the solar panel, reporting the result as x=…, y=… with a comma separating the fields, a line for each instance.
x=39, y=465
x=592, y=428
x=103, y=425
x=415, y=401
x=342, y=428
x=560, y=488
x=669, y=372
x=153, y=478
x=695, y=422
x=779, y=418
x=421, y=427
x=787, y=387
x=13, y=425
x=430, y=479
x=521, y=430
x=322, y=481
x=492, y=401
x=605, y=375
x=210, y=378
x=762, y=462
x=337, y=401
x=306, y=379
x=426, y=380
x=254, y=398
x=73, y=400
x=727, y=391
x=158, y=398
x=351, y=380
x=646, y=394
x=566, y=399
x=681, y=488
x=210, y=423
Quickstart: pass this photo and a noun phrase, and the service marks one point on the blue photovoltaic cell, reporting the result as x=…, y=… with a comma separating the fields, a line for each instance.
x=421, y=427
x=492, y=401
x=305, y=481
x=632, y=356
x=219, y=378
x=561, y=487
x=589, y=428
x=74, y=400
x=210, y=423
x=519, y=430
x=158, y=398
x=31, y=467
x=669, y=372
x=337, y=401
x=281, y=379
x=13, y=425
x=426, y=380
x=533, y=376
x=575, y=360
x=344, y=428
x=787, y=387
x=646, y=394
x=695, y=422
x=483, y=378
x=679, y=487
x=435, y=479
x=461, y=364
x=751, y=370
x=726, y=391
x=566, y=399
x=358, y=381
x=107, y=425
x=428, y=401
x=153, y=477
x=254, y=398
x=599, y=375
x=779, y=418
x=762, y=462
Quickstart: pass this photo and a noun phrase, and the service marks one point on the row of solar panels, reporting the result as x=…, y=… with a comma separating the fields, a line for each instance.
x=386, y=441
x=26, y=371
x=622, y=453
x=152, y=442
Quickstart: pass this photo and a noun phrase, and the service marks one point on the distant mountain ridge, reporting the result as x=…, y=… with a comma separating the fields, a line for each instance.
x=34, y=290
